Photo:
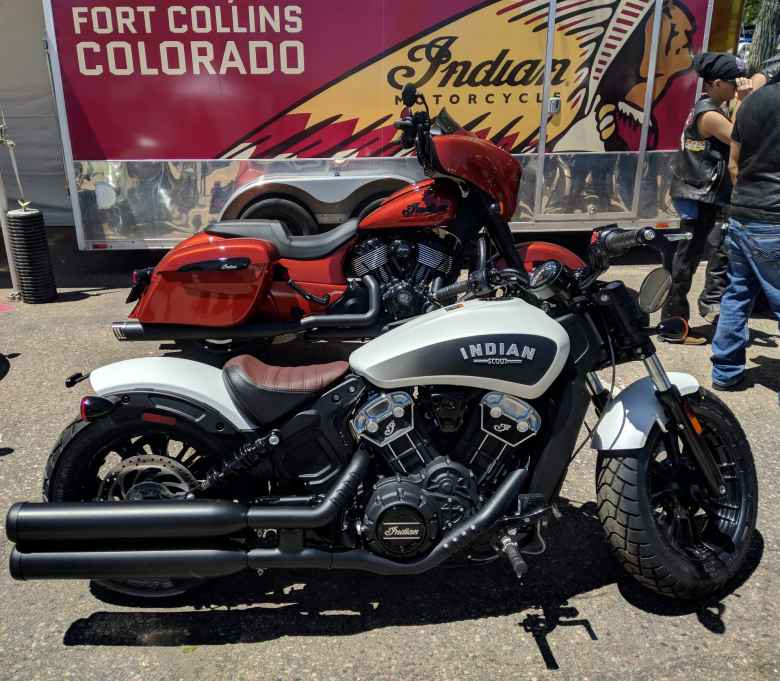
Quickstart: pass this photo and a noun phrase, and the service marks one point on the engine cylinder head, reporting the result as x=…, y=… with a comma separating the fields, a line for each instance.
x=370, y=256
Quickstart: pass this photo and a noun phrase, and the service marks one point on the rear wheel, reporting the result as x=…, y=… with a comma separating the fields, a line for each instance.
x=129, y=461
x=666, y=529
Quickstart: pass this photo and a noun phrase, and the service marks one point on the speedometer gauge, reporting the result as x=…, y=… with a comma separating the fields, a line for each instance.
x=545, y=274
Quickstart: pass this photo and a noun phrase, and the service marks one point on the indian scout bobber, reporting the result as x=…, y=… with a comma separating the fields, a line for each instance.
x=445, y=439
x=249, y=279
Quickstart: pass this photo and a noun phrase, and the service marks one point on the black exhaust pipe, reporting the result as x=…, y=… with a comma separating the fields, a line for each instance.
x=128, y=564
x=132, y=330
x=458, y=538
x=184, y=563
x=29, y=523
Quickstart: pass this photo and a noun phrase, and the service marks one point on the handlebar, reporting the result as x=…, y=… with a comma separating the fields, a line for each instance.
x=484, y=281
x=447, y=293
x=617, y=242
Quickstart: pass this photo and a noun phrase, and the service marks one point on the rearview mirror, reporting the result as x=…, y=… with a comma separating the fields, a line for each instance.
x=409, y=95
x=655, y=290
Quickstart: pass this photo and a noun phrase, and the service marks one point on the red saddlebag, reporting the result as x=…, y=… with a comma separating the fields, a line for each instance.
x=208, y=281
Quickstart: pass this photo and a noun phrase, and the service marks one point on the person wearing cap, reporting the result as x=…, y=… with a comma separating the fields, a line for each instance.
x=753, y=235
x=701, y=186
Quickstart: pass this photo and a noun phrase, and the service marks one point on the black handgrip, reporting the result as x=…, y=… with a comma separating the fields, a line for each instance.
x=404, y=124
x=617, y=242
x=447, y=293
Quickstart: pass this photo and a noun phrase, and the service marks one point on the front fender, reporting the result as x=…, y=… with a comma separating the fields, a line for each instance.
x=628, y=419
x=170, y=376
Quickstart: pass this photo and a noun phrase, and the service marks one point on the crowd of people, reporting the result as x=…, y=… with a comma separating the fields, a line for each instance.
x=729, y=164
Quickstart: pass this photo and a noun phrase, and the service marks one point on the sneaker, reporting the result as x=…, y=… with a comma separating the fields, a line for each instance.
x=730, y=384
x=688, y=339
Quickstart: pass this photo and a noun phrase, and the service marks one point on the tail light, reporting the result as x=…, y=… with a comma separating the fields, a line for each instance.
x=93, y=407
x=140, y=280
x=141, y=277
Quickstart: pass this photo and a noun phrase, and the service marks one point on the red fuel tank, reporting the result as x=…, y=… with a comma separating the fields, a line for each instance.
x=428, y=203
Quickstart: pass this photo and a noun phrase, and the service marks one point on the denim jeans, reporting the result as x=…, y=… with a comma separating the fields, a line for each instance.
x=754, y=264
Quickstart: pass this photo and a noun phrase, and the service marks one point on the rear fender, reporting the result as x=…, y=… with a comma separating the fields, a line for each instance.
x=180, y=387
x=629, y=418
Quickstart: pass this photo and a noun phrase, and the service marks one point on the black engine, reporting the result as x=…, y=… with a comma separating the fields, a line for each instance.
x=406, y=270
x=427, y=493
x=406, y=515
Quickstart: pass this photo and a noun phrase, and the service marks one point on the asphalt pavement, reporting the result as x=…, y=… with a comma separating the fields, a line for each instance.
x=576, y=616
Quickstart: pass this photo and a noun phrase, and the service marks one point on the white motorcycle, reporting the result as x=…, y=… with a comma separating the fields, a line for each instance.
x=445, y=439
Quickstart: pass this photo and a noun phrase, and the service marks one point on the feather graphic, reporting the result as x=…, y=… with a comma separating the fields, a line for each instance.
x=490, y=69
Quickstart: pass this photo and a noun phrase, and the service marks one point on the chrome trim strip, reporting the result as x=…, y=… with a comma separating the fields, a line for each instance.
x=706, y=41
x=544, y=114
x=62, y=119
x=648, y=108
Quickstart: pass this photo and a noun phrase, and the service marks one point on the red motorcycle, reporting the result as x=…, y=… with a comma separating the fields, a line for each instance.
x=245, y=280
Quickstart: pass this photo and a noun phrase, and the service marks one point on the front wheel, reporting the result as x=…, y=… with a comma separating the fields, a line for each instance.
x=666, y=529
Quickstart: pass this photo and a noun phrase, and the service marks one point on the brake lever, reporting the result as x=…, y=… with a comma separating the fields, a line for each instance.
x=663, y=249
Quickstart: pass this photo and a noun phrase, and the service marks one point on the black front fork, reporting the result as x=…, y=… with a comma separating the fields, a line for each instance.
x=688, y=428
x=502, y=237
x=680, y=417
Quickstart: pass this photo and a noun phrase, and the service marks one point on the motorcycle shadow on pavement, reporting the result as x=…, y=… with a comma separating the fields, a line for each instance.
x=246, y=608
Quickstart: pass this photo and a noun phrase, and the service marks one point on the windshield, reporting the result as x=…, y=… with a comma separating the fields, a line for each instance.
x=446, y=123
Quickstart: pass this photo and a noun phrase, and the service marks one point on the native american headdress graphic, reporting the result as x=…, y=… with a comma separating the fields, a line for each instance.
x=485, y=66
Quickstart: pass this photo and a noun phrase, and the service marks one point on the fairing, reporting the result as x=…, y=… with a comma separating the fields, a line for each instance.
x=462, y=154
x=429, y=203
x=505, y=345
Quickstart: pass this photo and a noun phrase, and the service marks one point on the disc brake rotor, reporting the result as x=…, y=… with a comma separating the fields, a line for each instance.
x=147, y=476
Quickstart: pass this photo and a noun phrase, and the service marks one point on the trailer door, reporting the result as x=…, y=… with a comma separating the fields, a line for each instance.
x=600, y=68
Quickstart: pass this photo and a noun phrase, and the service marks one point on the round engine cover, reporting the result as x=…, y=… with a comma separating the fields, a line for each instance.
x=400, y=519
x=455, y=490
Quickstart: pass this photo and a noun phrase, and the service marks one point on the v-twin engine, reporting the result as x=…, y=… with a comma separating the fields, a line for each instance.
x=405, y=270
x=428, y=493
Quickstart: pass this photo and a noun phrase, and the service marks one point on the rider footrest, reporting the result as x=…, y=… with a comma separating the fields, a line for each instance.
x=512, y=552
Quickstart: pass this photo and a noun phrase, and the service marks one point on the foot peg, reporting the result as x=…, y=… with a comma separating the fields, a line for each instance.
x=512, y=552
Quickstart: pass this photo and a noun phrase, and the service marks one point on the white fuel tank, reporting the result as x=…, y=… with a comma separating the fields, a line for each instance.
x=507, y=346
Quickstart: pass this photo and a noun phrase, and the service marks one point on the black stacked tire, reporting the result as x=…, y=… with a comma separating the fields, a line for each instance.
x=30, y=252
x=629, y=517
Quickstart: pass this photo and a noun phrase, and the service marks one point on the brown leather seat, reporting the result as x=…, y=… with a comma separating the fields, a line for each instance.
x=265, y=393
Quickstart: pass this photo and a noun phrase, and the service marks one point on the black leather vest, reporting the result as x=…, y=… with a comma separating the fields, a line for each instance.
x=700, y=167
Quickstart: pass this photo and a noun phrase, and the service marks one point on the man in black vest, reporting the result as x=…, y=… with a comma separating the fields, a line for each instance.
x=701, y=185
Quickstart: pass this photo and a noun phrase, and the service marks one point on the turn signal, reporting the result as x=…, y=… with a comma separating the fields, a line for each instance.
x=93, y=407
x=694, y=421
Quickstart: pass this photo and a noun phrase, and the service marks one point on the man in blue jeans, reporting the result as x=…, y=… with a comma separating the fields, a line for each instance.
x=753, y=238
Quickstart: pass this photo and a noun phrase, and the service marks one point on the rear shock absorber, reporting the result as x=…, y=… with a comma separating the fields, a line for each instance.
x=243, y=460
